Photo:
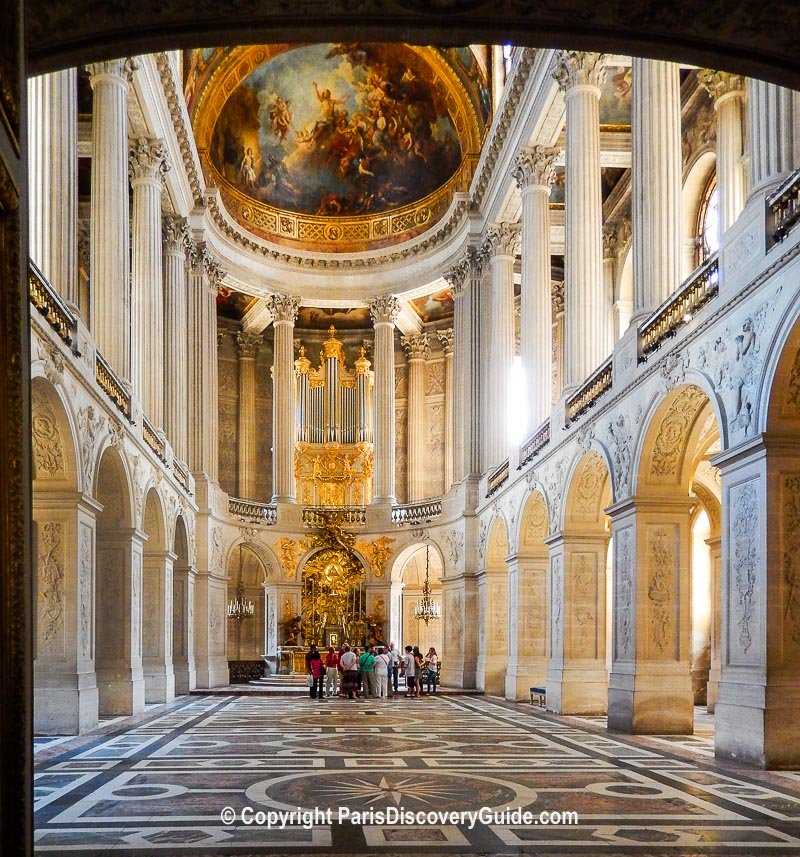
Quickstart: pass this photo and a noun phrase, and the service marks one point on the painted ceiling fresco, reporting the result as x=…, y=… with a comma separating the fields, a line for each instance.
x=615, y=97
x=434, y=307
x=336, y=131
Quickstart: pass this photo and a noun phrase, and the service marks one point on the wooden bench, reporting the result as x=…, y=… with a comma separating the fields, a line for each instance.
x=541, y=693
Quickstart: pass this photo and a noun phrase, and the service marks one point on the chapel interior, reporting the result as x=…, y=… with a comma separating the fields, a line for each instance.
x=488, y=348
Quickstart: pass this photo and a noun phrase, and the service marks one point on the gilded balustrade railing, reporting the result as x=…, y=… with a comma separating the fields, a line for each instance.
x=45, y=298
x=316, y=516
x=421, y=512
x=680, y=308
x=152, y=439
x=534, y=444
x=588, y=394
x=784, y=208
x=181, y=472
x=111, y=385
x=497, y=478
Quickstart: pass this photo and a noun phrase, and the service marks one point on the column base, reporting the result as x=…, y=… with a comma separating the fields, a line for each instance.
x=120, y=692
x=185, y=680
x=712, y=691
x=159, y=684
x=490, y=675
x=577, y=690
x=64, y=710
x=758, y=726
x=520, y=678
x=653, y=704
x=458, y=676
x=213, y=674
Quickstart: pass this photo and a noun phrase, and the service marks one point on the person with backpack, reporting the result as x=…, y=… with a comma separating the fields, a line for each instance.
x=368, y=678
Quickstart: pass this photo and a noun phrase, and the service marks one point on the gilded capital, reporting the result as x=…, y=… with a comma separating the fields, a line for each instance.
x=384, y=309
x=501, y=239
x=247, y=344
x=720, y=83
x=175, y=232
x=446, y=338
x=147, y=159
x=284, y=308
x=536, y=167
x=416, y=346
x=579, y=68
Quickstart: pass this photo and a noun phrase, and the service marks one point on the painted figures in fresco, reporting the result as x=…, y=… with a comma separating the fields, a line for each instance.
x=337, y=130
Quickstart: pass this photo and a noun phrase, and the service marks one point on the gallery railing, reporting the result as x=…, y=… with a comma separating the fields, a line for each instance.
x=152, y=439
x=112, y=386
x=534, y=444
x=421, y=512
x=253, y=512
x=497, y=478
x=181, y=472
x=316, y=516
x=588, y=394
x=784, y=208
x=45, y=298
x=679, y=308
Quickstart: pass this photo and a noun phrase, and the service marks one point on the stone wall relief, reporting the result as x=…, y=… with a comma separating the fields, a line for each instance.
x=48, y=445
x=670, y=441
x=660, y=589
x=791, y=560
x=621, y=445
x=623, y=595
x=589, y=487
x=215, y=558
x=454, y=621
x=51, y=571
x=745, y=560
x=791, y=403
x=90, y=425
x=583, y=631
x=554, y=481
x=136, y=587
x=454, y=540
x=483, y=531
x=85, y=590
x=377, y=552
x=557, y=602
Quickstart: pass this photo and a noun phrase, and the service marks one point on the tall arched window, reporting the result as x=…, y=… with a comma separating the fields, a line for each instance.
x=708, y=222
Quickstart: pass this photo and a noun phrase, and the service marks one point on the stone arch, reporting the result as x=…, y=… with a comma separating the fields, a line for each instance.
x=118, y=587
x=54, y=439
x=248, y=563
x=410, y=566
x=493, y=609
x=695, y=182
x=780, y=396
x=183, y=578
x=577, y=681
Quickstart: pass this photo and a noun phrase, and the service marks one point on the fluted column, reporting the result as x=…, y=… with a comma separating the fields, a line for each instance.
x=500, y=245
x=384, y=311
x=727, y=90
x=446, y=338
x=284, y=314
x=534, y=174
x=176, y=402
x=580, y=75
x=557, y=308
x=771, y=119
x=656, y=176
x=148, y=163
x=110, y=225
x=417, y=350
x=205, y=277
x=53, y=179
x=247, y=344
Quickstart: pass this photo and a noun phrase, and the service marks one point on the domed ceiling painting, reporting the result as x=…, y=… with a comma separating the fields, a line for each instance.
x=337, y=147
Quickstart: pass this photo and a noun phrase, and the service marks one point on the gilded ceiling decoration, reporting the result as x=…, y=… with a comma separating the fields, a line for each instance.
x=337, y=147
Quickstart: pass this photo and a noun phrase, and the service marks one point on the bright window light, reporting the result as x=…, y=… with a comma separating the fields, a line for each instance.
x=517, y=403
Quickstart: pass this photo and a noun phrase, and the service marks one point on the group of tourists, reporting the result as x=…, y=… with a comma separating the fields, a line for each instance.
x=374, y=672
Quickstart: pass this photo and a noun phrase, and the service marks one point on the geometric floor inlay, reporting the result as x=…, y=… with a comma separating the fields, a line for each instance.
x=451, y=775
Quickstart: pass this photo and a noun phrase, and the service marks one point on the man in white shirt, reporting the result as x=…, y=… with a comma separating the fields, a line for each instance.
x=382, y=661
x=409, y=670
x=394, y=667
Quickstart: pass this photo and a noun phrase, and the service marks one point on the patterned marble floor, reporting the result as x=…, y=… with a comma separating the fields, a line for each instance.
x=159, y=785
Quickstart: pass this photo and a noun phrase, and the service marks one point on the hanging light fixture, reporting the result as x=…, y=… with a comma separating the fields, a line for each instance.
x=240, y=608
x=427, y=607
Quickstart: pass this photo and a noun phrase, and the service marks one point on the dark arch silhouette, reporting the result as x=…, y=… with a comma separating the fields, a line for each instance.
x=756, y=38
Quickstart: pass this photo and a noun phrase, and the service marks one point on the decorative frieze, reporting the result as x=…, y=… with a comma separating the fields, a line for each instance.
x=745, y=561
x=660, y=589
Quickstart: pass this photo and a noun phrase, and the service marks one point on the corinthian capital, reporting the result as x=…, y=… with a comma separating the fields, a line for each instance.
x=579, y=68
x=501, y=239
x=247, y=344
x=416, y=346
x=120, y=68
x=720, y=83
x=384, y=309
x=147, y=159
x=175, y=232
x=536, y=167
x=284, y=308
x=446, y=338
x=458, y=275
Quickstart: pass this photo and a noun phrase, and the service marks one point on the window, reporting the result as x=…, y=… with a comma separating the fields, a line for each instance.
x=708, y=222
x=507, y=58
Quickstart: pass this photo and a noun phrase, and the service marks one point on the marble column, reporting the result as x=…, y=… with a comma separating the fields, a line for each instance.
x=656, y=178
x=650, y=686
x=384, y=311
x=456, y=278
x=727, y=90
x=500, y=245
x=205, y=276
x=417, y=350
x=771, y=120
x=715, y=556
x=176, y=401
x=534, y=174
x=148, y=163
x=446, y=339
x=580, y=75
x=527, y=631
x=53, y=180
x=247, y=344
x=110, y=226
x=609, y=283
x=182, y=628
x=159, y=673
x=284, y=310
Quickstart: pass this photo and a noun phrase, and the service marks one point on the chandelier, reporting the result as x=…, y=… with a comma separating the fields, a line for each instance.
x=427, y=607
x=240, y=608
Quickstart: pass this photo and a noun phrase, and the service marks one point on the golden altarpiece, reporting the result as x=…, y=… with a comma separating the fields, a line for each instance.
x=333, y=459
